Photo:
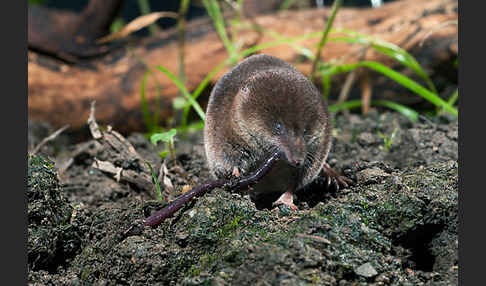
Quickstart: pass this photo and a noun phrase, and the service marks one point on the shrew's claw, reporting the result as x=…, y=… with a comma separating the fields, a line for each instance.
x=337, y=180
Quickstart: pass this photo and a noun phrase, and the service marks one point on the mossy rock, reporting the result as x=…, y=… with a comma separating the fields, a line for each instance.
x=52, y=237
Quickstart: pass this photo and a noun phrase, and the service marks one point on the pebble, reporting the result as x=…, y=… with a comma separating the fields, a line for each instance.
x=366, y=270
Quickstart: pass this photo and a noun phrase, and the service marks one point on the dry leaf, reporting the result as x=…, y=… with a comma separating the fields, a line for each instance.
x=137, y=24
x=168, y=184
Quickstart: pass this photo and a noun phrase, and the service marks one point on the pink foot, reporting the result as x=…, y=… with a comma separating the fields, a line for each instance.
x=286, y=198
x=236, y=172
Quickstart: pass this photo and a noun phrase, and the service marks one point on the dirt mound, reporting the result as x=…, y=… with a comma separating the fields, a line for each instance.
x=397, y=225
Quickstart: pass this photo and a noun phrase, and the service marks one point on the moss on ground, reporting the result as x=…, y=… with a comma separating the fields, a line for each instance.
x=396, y=226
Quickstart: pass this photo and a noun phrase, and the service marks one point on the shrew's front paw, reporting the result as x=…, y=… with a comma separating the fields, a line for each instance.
x=333, y=178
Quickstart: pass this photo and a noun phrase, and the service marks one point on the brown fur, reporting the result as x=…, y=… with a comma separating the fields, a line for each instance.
x=244, y=108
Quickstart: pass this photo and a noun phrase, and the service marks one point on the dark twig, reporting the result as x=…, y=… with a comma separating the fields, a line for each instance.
x=49, y=138
x=159, y=216
x=118, y=149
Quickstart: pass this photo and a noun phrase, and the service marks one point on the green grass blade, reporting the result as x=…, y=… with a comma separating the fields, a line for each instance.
x=157, y=186
x=408, y=112
x=303, y=50
x=452, y=100
x=201, y=87
x=399, y=78
x=184, y=91
x=387, y=49
x=325, y=33
x=326, y=86
x=153, y=127
x=351, y=104
x=214, y=12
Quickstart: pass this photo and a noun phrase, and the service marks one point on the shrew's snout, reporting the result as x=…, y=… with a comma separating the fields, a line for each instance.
x=295, y=151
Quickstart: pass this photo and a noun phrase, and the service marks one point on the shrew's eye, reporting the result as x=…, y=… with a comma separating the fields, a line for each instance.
x=278, y=128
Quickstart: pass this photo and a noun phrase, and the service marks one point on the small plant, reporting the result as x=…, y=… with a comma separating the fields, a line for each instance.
x=328, y=69
x=387, y=140
x=168, y=139
x=157, y=186
x=324, y=70
x=429, y=93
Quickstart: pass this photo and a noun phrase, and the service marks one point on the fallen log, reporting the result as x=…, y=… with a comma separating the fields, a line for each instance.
x=70, y=36
x=61, y=94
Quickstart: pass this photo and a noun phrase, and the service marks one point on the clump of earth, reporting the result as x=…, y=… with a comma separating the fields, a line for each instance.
x=396, y=225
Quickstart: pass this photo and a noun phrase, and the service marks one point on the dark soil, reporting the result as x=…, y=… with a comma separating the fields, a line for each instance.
x=397, y=225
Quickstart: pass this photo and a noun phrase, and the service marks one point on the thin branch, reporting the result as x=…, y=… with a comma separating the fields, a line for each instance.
x=49, y=138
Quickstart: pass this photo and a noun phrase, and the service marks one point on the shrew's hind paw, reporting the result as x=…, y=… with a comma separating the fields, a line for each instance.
x=286, y=198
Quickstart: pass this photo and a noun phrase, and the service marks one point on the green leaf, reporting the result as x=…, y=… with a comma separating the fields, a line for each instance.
x=165, y=136
x=163, y=154
x=179, y=103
